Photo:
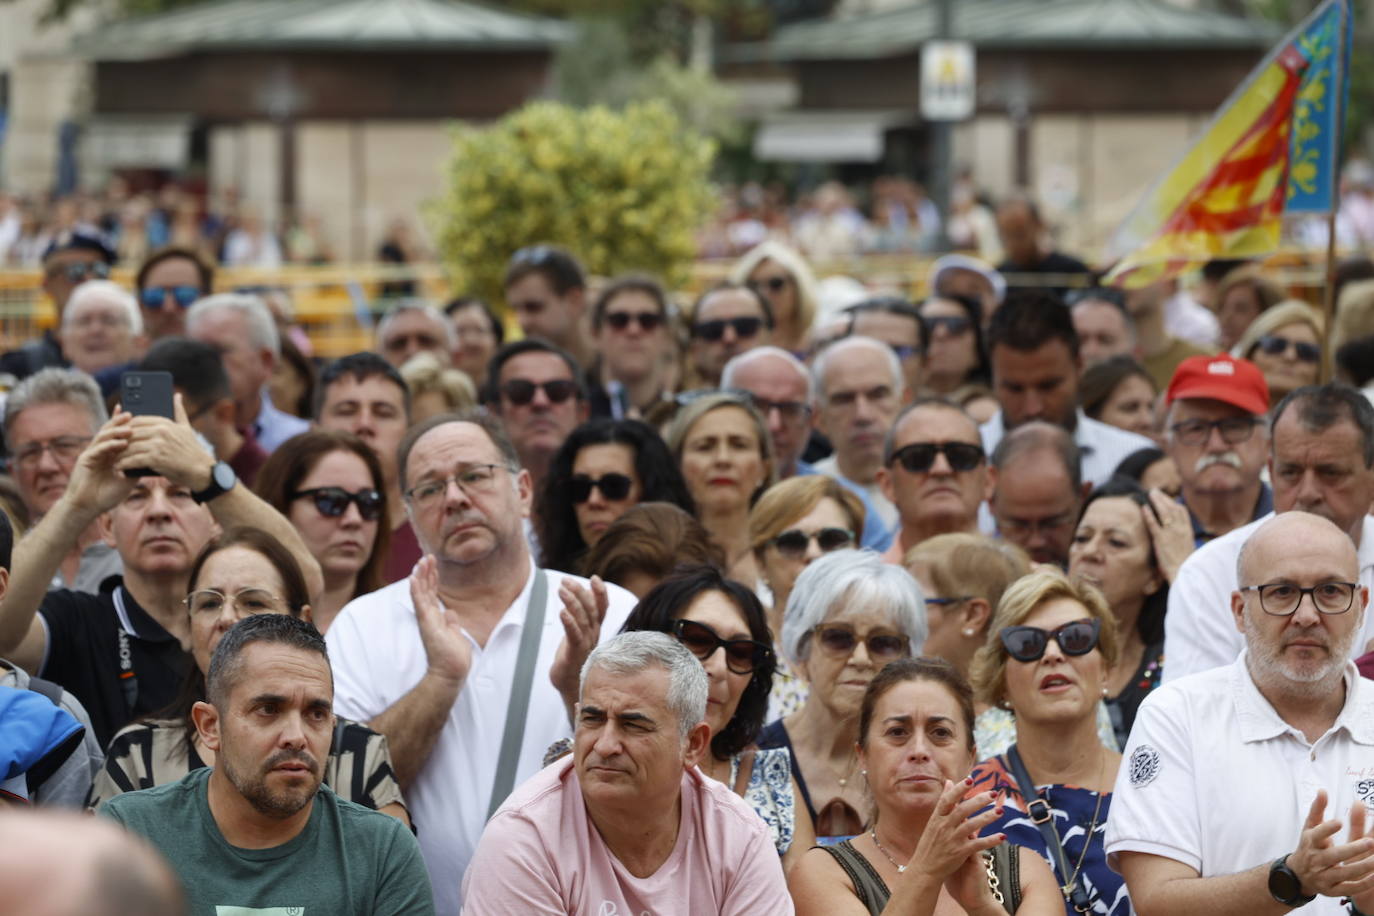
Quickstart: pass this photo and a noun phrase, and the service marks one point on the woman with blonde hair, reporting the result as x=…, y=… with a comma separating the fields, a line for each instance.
x=725, y=453
x=781, y=276
x=1047, y=657
x=1286, y=344
x=794, y=522
x=435, y=388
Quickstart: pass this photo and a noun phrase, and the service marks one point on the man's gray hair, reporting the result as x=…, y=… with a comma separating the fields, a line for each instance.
x=106, y=291
x=738, y=362
x=631, y=653
x=844, y=344
x=402, y=306
x=262, y=327
x=55, y=386
x=926, y=403
x=851, y=580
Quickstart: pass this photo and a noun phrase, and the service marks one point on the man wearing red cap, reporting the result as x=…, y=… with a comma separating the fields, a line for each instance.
x=1215, y=433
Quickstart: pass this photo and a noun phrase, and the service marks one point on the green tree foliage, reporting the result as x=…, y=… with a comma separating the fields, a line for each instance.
x=624, y=190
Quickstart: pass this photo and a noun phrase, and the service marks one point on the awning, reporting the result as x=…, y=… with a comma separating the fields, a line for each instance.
x=827, y=136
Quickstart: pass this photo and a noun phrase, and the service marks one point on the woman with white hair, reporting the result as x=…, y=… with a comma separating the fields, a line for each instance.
x=849, y=614
x=101, y=327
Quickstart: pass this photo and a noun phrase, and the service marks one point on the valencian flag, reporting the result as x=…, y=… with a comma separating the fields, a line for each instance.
x=1272, y=148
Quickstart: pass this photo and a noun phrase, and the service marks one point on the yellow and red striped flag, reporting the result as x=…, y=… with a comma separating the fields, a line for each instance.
x=1271, y=149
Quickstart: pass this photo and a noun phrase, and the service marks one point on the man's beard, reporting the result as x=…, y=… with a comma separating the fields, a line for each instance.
x=1303, y=677
x=264, y=800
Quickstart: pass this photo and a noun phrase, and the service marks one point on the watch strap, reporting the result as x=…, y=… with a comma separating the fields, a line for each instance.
x=1298, y=898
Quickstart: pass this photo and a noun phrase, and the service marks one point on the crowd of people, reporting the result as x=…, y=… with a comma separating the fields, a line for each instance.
x=1026, y=595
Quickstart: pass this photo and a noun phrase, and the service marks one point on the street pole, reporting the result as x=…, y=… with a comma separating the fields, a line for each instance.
x=940, y=134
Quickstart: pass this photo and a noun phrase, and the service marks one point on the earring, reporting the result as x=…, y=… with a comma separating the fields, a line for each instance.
x=968, y=632
x=1104, y=693
x=863, y=773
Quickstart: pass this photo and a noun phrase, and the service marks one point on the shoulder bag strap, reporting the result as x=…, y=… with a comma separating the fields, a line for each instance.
x=521, y=684
x=1040, y=813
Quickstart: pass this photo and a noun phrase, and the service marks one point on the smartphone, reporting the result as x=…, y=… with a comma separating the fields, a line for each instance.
x=146, y=394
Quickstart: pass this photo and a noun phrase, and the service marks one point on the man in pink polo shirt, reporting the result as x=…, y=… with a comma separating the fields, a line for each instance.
x=629, y=825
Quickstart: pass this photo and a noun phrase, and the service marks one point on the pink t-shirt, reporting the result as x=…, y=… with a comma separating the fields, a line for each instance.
x=541, y=854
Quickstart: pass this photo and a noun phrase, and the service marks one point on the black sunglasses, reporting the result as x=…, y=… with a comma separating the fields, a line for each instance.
x=521, y=391
x=714, y=330
x=648, y=321
x=954, y=325
x=773, y=284
x=153, y=297
x=1028, y=644
x=333, y=501
x=919, y=457
x=742, y=656
x=793, y=542
x=612, y=486
x=1275, y=345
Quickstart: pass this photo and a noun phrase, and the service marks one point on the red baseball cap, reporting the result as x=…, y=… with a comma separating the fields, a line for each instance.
x=1237, y=382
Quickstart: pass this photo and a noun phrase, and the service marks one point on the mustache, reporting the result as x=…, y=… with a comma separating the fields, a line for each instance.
x=303, y=757
x=1230, y=459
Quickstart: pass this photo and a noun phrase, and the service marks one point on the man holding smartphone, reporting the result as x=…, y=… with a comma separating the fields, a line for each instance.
x=120, y=652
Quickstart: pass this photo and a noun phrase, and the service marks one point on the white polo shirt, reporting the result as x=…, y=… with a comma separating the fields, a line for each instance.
x=1199, y=629
x=378, y=657
x=1101, y=446
x=1213, y=778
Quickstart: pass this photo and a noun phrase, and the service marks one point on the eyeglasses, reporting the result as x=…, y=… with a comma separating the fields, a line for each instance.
x=1234, y=430
x=715, y=329
x=64, y=449
x=519, y=391
x=648, y=321
x=839, y=641
x=475, y=480
x=333, y=501
x=919, y=457
x=790, y=411
x=742, y=656
x=82, y=271
x=954, y=325
x=1028, y=644
x=612, y=486
x=247, y=601
x=772, y=284
x=1280, y=599
x=153, y=297
x=1024, y=526
x=1274, y=345
x=793, y=542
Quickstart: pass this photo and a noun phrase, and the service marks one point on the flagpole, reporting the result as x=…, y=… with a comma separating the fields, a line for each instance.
x=1329, y=290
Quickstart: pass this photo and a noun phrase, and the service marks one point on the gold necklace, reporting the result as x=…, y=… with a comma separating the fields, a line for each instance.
x=873, y=834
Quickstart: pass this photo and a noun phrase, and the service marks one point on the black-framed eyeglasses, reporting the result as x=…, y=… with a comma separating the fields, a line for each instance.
x=519, y=391
x=839, y=641
x=713, y=330
x=1274, y=345
x=742, y=656
x=793, y=542
x=1281, y=599
x=954, y=325
x=1234, y=430
x=647, y=321
x=154, y=297
x=919, y=457
x=612, y=486
x=333, y=501
x=1028, y=644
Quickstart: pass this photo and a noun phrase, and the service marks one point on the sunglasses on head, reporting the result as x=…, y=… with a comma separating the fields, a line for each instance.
x=742, y=656
x=714, y=330
x=333, y=501
x=1275, y=345
x=612, y=486
x=793, y=542
x=1028, y=644
x=648, y=321
x=153, y=297
x=520, y=391
x=954, y=325
x=839, y=640
x=919, y=457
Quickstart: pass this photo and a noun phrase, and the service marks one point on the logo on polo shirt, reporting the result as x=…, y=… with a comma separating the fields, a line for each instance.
x=1364, y=791
x=1144, y=765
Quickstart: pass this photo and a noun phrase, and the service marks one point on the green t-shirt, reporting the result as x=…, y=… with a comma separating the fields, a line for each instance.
x=348, y=859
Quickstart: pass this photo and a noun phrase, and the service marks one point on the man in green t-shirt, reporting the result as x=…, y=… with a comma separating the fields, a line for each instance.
x=258, y=834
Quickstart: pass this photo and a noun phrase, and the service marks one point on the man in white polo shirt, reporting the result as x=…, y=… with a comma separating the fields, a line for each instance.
x=1321, y=460
x=438, y=663
x=1229, y=776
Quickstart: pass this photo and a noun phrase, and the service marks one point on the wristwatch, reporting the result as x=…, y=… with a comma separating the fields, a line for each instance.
x=222, y=480
x=1285, y=886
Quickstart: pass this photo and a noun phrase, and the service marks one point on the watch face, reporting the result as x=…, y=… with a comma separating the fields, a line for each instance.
x=223, y=476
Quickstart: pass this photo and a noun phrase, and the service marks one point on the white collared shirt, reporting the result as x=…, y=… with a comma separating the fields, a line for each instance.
x=1199, y=628
x=378, y=657
x=1101, y=446
x=1212, y=777
x=272, y=426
